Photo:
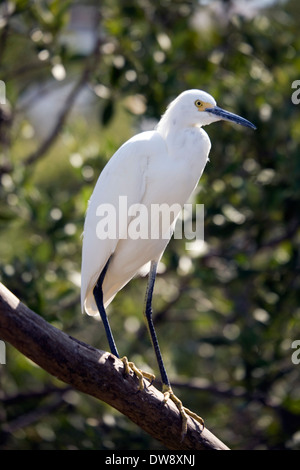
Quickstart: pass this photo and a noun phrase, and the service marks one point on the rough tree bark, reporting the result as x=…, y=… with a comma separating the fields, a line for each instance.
x=99, y=374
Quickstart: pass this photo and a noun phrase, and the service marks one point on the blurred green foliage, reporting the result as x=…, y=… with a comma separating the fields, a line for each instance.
x=226, y=316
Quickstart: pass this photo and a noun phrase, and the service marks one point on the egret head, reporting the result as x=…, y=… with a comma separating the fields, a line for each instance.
x=198, y=108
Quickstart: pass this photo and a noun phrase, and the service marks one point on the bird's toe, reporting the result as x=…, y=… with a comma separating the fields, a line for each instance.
x=184, y=412
x=141, y=375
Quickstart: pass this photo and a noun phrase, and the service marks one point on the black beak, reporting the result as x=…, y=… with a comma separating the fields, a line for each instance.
x=227, y=116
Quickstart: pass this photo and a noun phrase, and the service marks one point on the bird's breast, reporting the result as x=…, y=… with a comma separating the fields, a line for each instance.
x=182, y=167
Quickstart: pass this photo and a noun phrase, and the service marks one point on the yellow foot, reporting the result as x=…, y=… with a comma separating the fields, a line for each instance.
x=185, y=412
x=139, y=373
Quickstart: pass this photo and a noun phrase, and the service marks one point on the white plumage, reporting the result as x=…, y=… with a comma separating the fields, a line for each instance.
x=156, y=167
x=153, y=169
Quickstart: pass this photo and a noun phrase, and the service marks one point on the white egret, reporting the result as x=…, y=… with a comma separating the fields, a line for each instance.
x=162, y=166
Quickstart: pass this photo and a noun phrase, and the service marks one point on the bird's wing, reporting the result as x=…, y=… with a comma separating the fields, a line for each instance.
x=121, y=184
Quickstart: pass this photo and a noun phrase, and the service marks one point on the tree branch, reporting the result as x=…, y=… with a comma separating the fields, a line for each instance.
x=97, y=373
x=91, y=64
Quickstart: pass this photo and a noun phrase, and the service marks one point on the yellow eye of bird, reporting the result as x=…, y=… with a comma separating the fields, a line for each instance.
x=198, y=103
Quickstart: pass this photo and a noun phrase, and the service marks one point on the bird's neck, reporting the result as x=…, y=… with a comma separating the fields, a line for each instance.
x=177, y=133
x=168, y=125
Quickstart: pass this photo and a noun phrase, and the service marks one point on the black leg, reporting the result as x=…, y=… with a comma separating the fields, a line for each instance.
x=167, y=390
x=98, y=294
x=148, y=315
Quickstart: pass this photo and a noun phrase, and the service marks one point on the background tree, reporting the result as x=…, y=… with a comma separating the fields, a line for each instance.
x=80, y=79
